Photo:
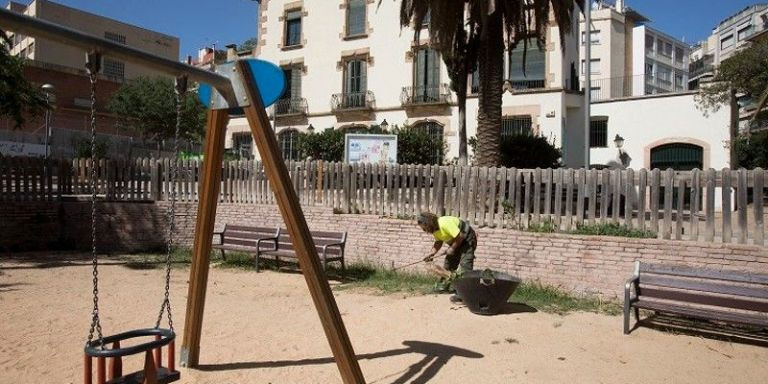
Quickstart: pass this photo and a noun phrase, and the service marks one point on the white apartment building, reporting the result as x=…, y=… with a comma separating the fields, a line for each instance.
x=46, y=51
x=726, y=39
x=349, y=64
x=629, y=58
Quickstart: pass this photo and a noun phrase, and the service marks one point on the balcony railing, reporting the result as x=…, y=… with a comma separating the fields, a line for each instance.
x=352, y=101
x=290, y=107
x=618, y=87
x=526, y=84
x=435, y=94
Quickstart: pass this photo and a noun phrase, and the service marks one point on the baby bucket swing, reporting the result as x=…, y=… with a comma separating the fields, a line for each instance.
x=108, y=347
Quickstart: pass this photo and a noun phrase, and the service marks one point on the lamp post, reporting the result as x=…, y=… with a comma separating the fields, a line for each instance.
x=49, y=89
x=384, y=125
x=619, y=141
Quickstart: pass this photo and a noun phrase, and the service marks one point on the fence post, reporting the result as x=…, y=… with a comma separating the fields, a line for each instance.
x=155, y=173
x=440, y=192
x=345, y=188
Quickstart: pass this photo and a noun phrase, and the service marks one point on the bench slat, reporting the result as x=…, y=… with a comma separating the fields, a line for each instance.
x=244, y=243
x=680, y=270
x=239, y=248
x=703, y=285
x=249, y=235
x=243, y=228
x=698, y=298
x=292, y=254
x=732, y=317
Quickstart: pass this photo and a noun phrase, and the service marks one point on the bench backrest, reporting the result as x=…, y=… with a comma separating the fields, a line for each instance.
x=701, y=286
x=320, y=238
x=246, y=236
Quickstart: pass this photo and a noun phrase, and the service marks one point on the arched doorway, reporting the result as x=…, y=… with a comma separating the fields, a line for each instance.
x=678, y=156
x=289, y=144
x=435, y=131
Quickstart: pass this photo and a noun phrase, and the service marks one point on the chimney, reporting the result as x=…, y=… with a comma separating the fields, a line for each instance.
x=231, y=52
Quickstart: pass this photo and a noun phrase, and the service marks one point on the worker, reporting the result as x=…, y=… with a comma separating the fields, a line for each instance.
x=461, y=240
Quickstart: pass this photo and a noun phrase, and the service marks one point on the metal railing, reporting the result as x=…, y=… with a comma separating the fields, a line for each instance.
x=352, y=101
x=526, y=84
x=626, y=86
x=432, y=94
x=290, y=107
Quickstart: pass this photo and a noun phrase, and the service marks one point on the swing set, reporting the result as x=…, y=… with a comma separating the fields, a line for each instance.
x=245, y=86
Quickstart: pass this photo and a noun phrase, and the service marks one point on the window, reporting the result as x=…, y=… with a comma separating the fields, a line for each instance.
x=532, y=75
x=355, y=83
x=595, y=93
x=594, y=66
x=664, y=75
x=595, y=37
x=356, y=17
x=679, y=86
x=475, y=85
x=426, y=77
x=293, y=28
x=649, y=69
x=516, y=125
x=726, y=42
x=114, y=68
x=667, y=49
x=116, y=37
x=427, y=19
x=242, y=144
x=745, y=32
x=435, y=131
x=290, y=102
x=679, y=53
x=289, y=144
x=598, y=133
x=649, y=43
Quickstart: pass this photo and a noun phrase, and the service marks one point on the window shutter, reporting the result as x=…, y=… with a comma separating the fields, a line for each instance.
x=296, y=83
x=363, y=76
x=420, y=64
x=434, y=70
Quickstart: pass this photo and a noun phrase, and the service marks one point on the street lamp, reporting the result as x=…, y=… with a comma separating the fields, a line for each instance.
x=384, y=125
x=49, y=89
x=619, y=141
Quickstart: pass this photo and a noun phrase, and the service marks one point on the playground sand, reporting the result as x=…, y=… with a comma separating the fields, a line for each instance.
x=262, y=328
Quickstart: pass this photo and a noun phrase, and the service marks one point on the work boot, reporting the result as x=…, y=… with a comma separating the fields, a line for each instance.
x=456, y=299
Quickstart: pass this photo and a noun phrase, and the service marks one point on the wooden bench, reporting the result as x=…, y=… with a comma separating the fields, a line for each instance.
x=329, y=245
x=735, y=298
x=245, y=239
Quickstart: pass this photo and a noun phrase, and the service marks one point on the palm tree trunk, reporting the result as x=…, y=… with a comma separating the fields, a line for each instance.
x=491, y=68
x=462, y=101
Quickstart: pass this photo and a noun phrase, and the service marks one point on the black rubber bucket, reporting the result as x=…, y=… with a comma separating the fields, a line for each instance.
x=485, y=292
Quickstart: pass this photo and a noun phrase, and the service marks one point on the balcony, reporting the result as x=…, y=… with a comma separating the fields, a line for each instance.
x=291, y=107
x=352, y=101
x=425, y=95
x=519, y=85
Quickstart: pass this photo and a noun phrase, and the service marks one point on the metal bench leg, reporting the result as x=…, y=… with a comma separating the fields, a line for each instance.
x=626, y=319
x=343, y=270
x=637, y=314
x=222, y=255
x=256, y=262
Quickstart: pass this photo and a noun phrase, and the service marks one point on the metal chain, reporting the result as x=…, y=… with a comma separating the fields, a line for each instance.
x=181, y=90
x=92, y=67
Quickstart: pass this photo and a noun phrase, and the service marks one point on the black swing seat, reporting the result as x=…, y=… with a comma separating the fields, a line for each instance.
x=163, y=337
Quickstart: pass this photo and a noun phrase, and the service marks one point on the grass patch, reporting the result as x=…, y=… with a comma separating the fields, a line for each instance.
x=553, y=300
x=384, y=281
x=612, y=229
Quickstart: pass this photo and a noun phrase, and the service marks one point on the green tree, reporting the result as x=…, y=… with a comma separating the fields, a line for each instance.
x=744, y=74
x=492, y=21
x=327, y=145
x=150, y=105
x=18, y=97
x=527, y=151
x=752, y=150
x=248, y=45
x=411, y=144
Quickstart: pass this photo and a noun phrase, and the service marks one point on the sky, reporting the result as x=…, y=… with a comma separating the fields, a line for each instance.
x=203, y=23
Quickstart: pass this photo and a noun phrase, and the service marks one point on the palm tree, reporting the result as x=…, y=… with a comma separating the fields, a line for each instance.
x=487, y=24
x=457, y=46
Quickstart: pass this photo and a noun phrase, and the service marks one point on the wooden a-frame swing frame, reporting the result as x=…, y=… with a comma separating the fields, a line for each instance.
x=274, y=166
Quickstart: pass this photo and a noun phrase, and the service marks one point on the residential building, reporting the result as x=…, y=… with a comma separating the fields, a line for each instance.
x=629, y=58
x=352, y=65
x=46, y=51
x=726, y=39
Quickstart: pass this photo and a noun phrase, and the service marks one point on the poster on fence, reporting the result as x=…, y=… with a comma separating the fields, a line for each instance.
x=370, y=148
x=12, y=148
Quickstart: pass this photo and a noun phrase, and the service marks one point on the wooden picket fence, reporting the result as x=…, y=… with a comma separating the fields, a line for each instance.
x=674, y=205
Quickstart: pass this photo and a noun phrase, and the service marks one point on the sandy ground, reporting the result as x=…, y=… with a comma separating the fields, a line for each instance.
x=262, y=328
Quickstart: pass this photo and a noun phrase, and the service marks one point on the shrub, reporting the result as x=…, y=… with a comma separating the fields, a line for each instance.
x=612, y=229
x=752, y=151
x=526, y=151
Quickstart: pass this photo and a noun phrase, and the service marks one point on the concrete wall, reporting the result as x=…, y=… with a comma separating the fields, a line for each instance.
x=646, y=122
